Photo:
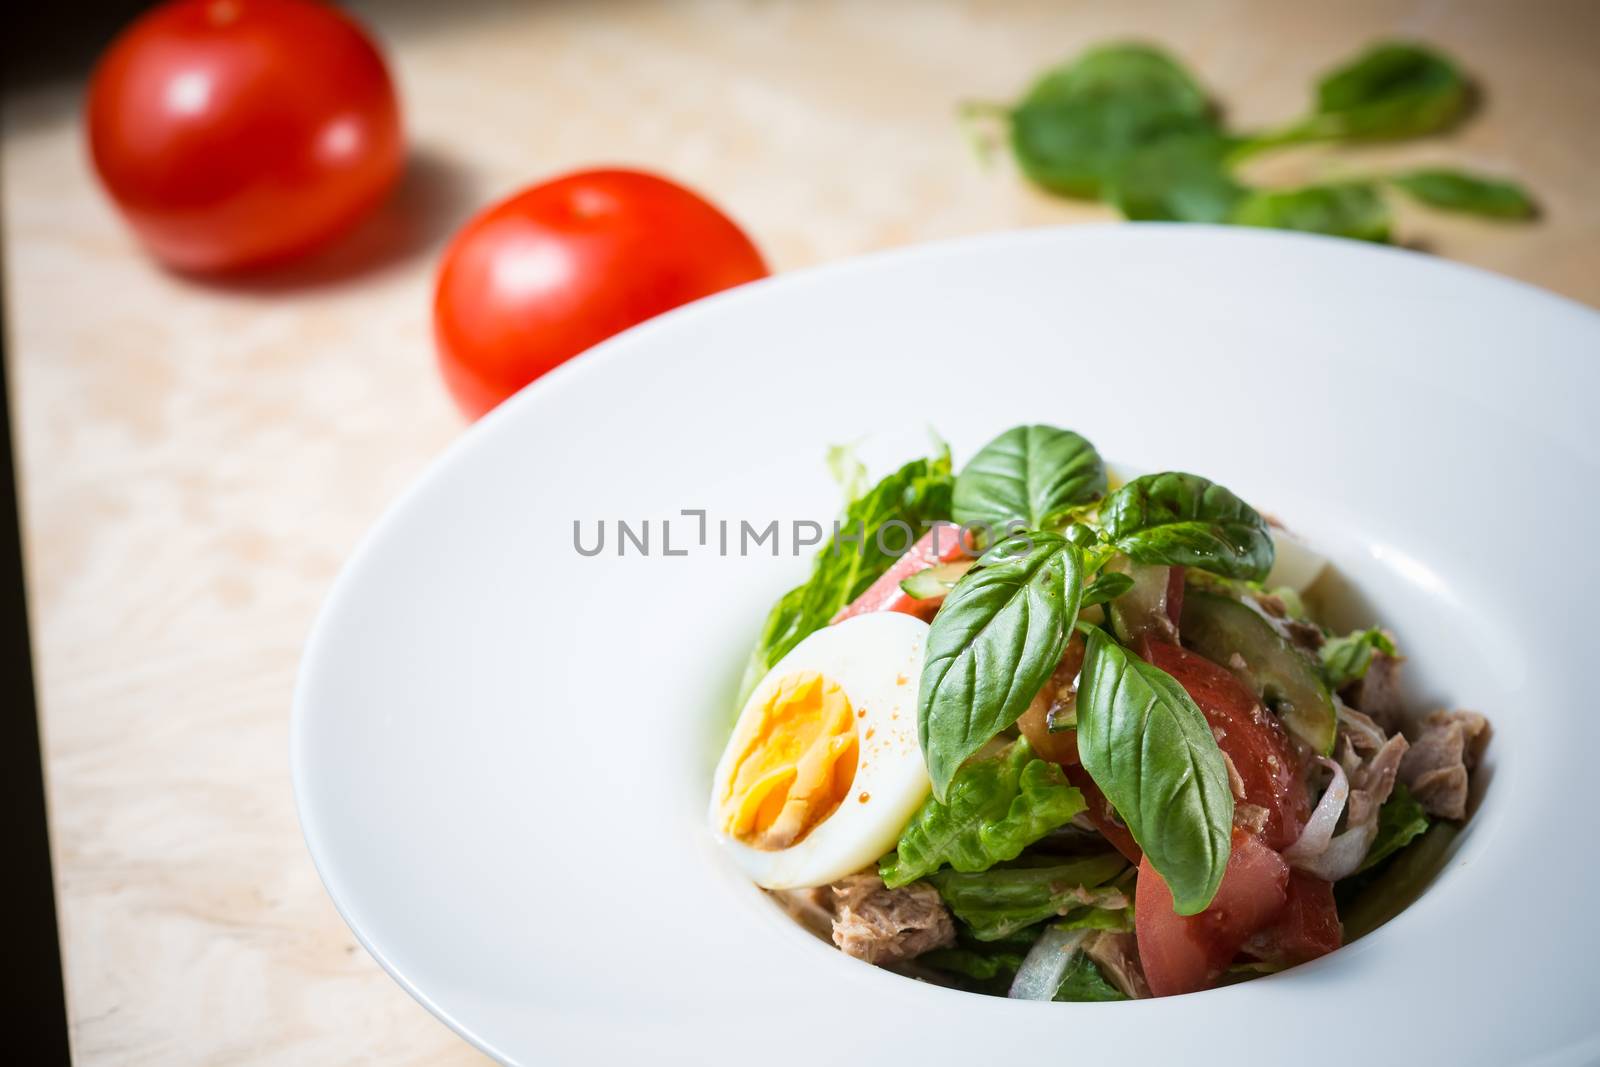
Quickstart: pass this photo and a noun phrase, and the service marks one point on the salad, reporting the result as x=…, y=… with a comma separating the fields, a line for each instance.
x=1029, y=732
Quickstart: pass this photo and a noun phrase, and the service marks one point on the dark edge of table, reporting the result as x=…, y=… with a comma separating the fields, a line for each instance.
x=35, y=996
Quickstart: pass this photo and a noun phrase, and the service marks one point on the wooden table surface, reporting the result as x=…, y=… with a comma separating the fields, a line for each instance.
x=198, y=460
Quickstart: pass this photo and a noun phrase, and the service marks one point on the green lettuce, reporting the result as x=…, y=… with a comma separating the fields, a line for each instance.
x=1085, y=982
x=853, y=559
x=1346, y=659
x=1002, y=900
x=994, y=809
x=973, y=963
x=1399, y=821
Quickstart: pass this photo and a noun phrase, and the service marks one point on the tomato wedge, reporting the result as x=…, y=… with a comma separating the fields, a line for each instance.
x=1308, y=928
x=1272, y=770
x=943, y=543
x=1185, y=953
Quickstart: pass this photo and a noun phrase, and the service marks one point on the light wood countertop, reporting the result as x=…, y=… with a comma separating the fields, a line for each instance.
x=197, y=460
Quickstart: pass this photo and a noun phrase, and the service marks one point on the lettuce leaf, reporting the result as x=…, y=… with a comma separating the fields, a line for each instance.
x=972, y=963
x=1345, y=659
x=1085, y=982
x=1002, y=900
x=994, y=809
x=1399, y=820
x=917, y=493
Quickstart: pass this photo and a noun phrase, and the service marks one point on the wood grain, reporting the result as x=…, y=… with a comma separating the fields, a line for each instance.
x=197, y=460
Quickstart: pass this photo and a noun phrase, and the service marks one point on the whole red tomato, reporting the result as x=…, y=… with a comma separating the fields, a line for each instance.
x=559, y=267
x=236, y=133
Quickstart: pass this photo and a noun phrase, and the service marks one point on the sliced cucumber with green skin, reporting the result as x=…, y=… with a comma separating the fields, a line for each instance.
x=1219, y=627
x=935, y=581
x=1143, y=608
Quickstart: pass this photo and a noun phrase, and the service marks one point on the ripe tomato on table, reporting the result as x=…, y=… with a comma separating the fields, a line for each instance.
x=238, y=133
x=559, y=267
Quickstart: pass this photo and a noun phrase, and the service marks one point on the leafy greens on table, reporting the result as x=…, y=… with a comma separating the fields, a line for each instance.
x=1126, y=124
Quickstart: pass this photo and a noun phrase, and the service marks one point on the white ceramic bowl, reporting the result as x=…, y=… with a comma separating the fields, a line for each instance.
x=502, y=748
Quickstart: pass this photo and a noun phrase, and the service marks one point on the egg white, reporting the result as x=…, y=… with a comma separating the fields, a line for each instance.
x=877, y=660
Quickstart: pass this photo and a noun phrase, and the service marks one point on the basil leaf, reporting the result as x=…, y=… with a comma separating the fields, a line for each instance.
x=994, y=642
x=1346, y=659
x=1454, y=190
x=1176, y=518
x=1106, y=588
x=1085, y=982
x=917, y=493
x=995, y=808
x=1028, y=475
x=1391, y=90
x=1002, y=900
x=1183, y=178
x=1074, y=128
x=1399, y=820
x=1349, y=209
x=1149, y=749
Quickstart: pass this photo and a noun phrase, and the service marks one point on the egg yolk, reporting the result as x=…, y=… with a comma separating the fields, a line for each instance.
x=794, y=763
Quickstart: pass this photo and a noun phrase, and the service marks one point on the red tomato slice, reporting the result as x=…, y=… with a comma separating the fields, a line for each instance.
x=1184, y=953
x=1250, y=736
x=1309, y=926
x=943, y=543
x=1103, y=814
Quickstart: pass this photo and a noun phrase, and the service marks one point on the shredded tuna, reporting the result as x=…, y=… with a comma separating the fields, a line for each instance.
x=1118, y=957
x=1377, y=693
x=880, y=925
x=1437, y=765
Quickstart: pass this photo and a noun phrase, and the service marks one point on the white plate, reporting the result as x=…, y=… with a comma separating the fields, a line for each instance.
x=502, y=748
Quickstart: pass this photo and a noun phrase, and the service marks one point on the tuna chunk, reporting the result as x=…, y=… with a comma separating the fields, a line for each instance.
x=1435, y=768
x=1118, y=956
x=882, y=925
x=1377, y=694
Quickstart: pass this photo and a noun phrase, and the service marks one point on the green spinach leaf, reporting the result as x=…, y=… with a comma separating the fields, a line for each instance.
x=1455, y=190
x=1149, y=749
x=1345, y=659
x=918, y=492
x=1078, y=123
x=1181, y=178
x=1176, y=518
x=1028, y=476
x=1002, y=900
x=1347, y=209
x=1391, y=90
x=994, y=809
x=998, y=636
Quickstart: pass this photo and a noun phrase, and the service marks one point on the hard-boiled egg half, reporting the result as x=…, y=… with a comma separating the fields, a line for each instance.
x=823, y=770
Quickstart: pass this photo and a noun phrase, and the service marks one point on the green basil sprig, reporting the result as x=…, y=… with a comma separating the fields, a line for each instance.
x=993, y=644
x=1184, y=519
x=1149, y=749
x=1029, y=476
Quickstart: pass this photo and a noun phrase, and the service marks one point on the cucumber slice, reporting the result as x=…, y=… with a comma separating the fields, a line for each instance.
x=932, y=582
x=1219, y=627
